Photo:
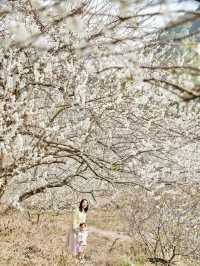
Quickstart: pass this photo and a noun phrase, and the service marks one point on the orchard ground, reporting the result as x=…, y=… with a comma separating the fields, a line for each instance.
x=41, y=239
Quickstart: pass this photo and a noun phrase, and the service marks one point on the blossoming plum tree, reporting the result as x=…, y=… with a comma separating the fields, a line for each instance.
x=90, y=99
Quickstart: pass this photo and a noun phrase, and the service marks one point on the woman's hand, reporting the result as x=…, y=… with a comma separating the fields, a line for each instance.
x=75, y=230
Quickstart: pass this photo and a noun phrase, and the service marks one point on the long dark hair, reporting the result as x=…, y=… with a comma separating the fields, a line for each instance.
x=81, y=206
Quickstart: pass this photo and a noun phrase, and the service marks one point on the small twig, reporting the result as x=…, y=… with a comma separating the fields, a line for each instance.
x=113, y=245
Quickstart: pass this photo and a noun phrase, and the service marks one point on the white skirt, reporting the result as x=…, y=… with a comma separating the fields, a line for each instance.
x=72, y=242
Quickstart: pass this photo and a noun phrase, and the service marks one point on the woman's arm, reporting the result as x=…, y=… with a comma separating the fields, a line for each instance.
x=75, y=218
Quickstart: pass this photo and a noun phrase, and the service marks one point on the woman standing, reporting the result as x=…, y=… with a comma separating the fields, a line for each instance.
x=78, y=217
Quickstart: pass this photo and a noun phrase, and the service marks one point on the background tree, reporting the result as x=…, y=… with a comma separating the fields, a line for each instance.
x=90, y=101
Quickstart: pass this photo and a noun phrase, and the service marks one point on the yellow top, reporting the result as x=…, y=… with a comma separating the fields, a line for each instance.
x=78, y=217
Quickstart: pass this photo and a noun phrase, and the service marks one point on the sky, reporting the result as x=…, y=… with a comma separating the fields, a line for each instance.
x=169, y=11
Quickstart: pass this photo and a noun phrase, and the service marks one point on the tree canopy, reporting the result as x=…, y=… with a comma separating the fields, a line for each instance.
x=95, y=95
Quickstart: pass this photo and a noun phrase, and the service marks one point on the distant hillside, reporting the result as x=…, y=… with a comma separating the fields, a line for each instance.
x=196, y=25
x=192, y=28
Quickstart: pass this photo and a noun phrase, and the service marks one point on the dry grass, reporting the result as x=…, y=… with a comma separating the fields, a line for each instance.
x=31, y=242
x=27, y=243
